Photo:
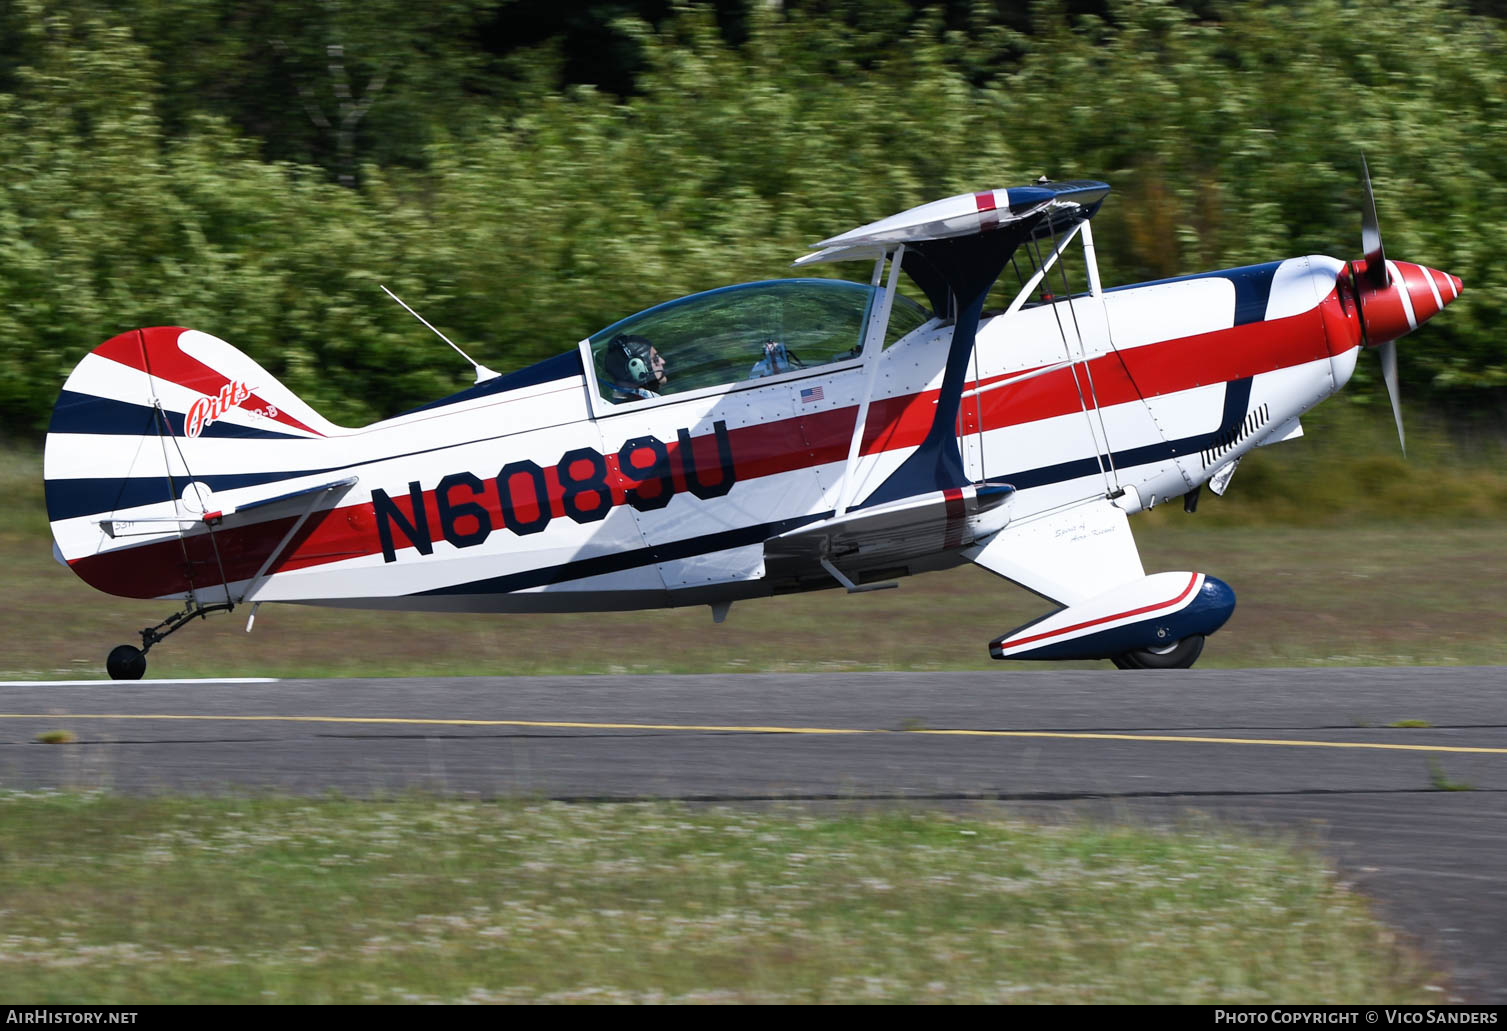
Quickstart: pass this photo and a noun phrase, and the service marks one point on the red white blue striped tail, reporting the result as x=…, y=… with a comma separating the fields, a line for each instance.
x=150, y=432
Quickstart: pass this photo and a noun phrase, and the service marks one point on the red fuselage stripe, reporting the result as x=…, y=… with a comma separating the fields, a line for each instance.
x=784, y=445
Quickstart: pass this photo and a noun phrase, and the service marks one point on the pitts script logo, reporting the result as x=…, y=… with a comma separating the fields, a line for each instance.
x=211, y=408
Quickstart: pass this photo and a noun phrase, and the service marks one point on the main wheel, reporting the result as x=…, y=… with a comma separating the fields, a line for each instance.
x=1178, y=655
x=126, y=663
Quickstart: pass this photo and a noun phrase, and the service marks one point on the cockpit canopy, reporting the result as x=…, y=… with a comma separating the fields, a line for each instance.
x=752, y=330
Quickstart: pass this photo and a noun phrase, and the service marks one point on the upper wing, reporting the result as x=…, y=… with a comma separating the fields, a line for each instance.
x=967, y=214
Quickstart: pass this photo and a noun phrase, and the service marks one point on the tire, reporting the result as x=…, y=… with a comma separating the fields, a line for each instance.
x=126, y=663
x=1181, y=655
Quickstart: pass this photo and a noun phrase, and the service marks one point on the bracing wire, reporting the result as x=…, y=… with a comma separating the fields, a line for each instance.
x=1113, y=480
x=213, y=543
x=1020, y=277
x=1067, y=349
x=165, y=430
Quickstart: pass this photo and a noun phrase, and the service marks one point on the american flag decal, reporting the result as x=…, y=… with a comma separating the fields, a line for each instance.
x=811, y=394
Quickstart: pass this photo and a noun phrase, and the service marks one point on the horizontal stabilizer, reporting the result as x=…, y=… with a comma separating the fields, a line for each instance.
x=200, y=507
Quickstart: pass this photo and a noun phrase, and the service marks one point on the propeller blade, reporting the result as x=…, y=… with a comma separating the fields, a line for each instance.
x=1388, y=354
x=1370, y=235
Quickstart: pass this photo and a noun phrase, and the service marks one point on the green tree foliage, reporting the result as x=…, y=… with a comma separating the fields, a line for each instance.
x=162, y=166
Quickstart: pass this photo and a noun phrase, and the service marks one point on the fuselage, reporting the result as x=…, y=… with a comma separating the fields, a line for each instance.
x=538, y=492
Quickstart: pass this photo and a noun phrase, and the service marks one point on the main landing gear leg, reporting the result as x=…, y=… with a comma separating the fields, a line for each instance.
x=127, y=662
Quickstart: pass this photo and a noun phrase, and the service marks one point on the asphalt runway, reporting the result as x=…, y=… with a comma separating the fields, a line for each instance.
x=1333, y=758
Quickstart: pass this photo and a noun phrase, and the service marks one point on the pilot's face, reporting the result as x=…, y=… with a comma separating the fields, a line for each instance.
x=657, y=365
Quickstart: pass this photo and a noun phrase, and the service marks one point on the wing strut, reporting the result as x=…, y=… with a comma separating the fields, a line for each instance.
x=1043, y=266
x=871, y=348
x=315, y=494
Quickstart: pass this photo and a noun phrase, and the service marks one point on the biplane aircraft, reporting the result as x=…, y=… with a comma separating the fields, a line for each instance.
x=778, y=436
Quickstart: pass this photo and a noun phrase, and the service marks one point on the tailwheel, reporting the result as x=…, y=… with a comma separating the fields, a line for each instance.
x=126, y=663
x=1178, y=655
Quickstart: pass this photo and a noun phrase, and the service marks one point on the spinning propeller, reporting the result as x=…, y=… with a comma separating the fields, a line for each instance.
x=1393, y=298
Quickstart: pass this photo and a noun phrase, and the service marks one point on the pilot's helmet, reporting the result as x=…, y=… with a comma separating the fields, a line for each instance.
x=628, y=360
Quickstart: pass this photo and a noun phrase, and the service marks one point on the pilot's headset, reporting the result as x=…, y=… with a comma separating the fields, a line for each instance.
x=628, y=360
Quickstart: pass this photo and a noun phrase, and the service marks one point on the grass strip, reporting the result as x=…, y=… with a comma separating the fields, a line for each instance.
x=416, y=899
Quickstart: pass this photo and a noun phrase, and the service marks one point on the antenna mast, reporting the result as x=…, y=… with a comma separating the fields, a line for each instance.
x=482, y=372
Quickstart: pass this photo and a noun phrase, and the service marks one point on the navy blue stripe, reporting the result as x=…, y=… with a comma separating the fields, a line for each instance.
x=89, y=413
x=1089, y=193
x=623, y=560
x=561, y=366
x=1253, y=288
x=1237, y=397
x=86, y=413
x=68, y=499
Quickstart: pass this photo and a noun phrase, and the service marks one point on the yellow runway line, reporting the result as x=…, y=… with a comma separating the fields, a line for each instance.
x=738, y=729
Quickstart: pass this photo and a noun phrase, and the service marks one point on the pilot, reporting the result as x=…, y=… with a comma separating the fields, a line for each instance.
x=776, y=359
x=636, y=369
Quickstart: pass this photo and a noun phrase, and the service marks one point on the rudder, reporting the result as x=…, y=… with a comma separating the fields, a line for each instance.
x=150, y=426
